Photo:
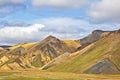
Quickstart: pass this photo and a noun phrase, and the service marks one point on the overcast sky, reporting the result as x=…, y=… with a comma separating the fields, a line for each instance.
x=33, y=20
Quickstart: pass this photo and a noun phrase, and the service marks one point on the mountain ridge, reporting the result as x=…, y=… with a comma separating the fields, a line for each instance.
x=91, y=54
x=101, y=58
x=39, y=53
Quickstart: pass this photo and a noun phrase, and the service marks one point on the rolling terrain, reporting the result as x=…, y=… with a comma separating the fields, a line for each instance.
x=34, y=55
x=97, y=53
x=99, y=57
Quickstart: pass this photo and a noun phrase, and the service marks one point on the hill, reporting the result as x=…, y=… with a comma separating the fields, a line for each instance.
x=1, y=49
x=34, y=55
x=5, y=46
x=102, y=56
x=25, y=45
x=97, y=53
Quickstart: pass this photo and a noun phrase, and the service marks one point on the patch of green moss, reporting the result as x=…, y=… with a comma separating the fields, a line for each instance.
x=28, y=78
x=37, y=61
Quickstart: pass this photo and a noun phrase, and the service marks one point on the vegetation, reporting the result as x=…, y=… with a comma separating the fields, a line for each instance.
x=105, y=48
x=37, y=61
x=66, y=67
x=44, y=75
x=72, y=43
x=25, y=45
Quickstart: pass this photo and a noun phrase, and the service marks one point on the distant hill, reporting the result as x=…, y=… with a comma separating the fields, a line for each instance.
x=5, y=46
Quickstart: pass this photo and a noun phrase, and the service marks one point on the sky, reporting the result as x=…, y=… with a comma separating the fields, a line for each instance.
x=33, y=20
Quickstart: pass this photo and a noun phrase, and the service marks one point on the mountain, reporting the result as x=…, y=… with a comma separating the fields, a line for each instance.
x=96, y=35
x=97, y=53
x=34, y=55
x=101, y=56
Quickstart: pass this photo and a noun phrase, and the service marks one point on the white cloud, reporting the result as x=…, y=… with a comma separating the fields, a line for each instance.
x=60, y=27
x=105, y=11
x=63, y=4
x=20, y=34
x=72, y=28
x=64, y=25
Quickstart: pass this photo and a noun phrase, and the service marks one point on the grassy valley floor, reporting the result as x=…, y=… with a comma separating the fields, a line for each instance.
x=44, y=75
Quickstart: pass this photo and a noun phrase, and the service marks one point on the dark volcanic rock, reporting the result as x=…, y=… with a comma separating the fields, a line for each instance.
x=103, y=67
x=92, y=37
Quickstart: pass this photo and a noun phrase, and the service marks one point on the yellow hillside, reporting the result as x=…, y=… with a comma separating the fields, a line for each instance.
x=72, y=43
x=1, y=49
x=25, y=45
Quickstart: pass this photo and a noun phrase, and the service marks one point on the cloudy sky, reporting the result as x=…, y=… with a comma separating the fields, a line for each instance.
x=33, y=20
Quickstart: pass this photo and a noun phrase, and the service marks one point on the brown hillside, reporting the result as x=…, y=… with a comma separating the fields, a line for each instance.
x=100, y=57
x=32, y=55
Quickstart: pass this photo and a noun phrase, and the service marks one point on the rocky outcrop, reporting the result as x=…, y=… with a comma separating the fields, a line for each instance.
x=91, y=38
x=96, y=34
x=103, y=67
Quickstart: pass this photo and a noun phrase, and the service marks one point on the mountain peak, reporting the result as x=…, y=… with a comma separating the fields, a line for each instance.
x=97, y=31
x=51, y=37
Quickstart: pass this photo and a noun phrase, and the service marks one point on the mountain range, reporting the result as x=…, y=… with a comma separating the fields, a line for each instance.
x=97, y=53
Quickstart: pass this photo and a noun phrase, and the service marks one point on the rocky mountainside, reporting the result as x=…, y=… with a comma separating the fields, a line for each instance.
x=96, y=35
x=97, y=53
x=99, y=57
x=93, y=37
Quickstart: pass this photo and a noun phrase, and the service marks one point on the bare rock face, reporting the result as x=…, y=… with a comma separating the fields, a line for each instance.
x=103, y=67
x=96, y=35
x=92, y=37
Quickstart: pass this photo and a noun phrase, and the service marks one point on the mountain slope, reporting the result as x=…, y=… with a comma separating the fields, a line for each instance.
x=72, y=43
x=102, y=57
x=96, y=35
x=34, y=55
x=51, y=48
x=98, y=53
x=25, y=45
